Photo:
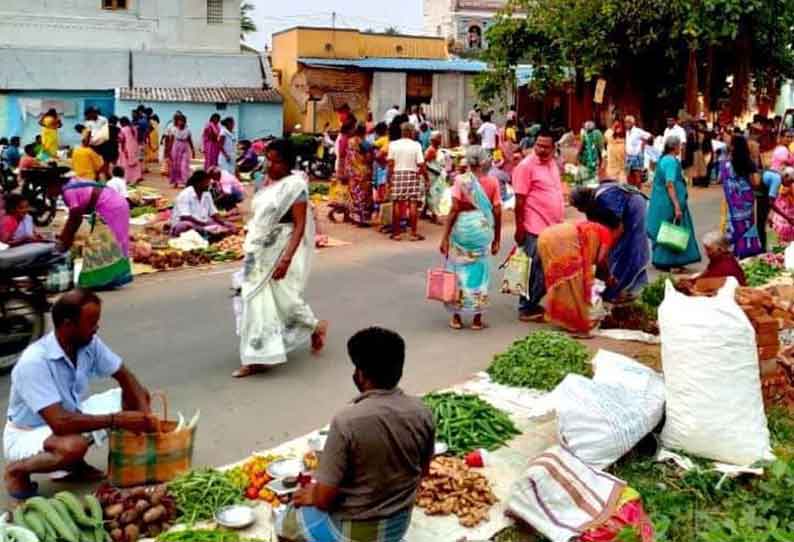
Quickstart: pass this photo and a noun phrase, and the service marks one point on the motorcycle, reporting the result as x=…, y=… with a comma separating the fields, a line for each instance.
x=34, y=188
x=23, y=298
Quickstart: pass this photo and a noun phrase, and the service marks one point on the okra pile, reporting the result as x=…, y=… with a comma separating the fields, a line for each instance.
x=466, y=422
x=540, y=361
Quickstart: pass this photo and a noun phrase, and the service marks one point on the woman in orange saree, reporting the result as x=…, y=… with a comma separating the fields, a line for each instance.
x=569, y=254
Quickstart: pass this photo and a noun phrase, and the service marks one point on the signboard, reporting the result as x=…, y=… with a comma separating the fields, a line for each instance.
x=601, y=86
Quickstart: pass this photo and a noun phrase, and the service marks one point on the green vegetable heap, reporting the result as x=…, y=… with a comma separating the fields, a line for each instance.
x=652, y=294
x=466, y=422
x=203, y=535
x=200, y=493
x=540, y=361
x=759, y=272
x=65, y=517
x=135, y=212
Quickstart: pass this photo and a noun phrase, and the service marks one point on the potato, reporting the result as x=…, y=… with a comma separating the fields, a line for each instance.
x=128, y=516
x=132, y=532
x=114, y=510
x=155, y=514
x=117, y=535
x=142, y=506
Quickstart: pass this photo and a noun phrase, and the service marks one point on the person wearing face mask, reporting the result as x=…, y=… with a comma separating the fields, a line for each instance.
x=51, y=421
x=377, y=451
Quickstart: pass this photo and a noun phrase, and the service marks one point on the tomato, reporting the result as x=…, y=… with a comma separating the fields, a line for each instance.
x=252, y=493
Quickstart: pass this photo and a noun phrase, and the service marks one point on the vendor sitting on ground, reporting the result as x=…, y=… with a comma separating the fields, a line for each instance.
x=228, y=186
x=16, y=228
x=28, y=160
x=722, y=262
x=195, y=210
x=377, y=451
x=50, y=424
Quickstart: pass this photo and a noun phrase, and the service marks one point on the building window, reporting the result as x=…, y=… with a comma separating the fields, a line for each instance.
x=214, y=11
x=220, y=106
x=114, y=4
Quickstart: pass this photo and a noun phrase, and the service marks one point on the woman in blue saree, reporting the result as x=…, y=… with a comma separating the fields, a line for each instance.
x=669, y=199
x=630, y=255
x=736, y=175
x=471, y=236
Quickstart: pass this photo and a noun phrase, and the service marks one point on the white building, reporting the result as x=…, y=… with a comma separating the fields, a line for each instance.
x=110, y=54
x=178, y=25
x=462, y=22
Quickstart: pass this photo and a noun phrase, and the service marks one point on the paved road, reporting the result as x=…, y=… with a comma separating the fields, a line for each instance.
x=175, y=330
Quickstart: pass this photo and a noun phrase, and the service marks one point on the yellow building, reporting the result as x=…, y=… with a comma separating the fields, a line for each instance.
x=320, y=69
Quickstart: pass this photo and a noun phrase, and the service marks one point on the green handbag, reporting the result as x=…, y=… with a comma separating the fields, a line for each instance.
x=673, y=237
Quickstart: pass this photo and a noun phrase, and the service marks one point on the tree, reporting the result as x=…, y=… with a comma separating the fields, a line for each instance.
x=669, y=50
x=391, y=30
x=247, y=24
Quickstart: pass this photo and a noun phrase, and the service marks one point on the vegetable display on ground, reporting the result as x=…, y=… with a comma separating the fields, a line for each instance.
x=761, y=270
x=203, y=535
x=64, y=517
x=466, y=422
x=540, y=361
x=137, y=512
x=199, y=493
x=251, y=477
x=454, y=488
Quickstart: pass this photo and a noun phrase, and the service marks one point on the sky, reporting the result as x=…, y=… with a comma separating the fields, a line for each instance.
x=274, y=15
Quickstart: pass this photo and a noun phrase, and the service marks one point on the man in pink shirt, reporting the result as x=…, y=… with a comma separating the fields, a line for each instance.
x=781, y=157
x=539, y=204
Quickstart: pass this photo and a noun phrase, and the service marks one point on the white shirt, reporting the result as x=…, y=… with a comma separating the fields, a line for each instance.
x=188, y=204
x=413, y=118
x=676, y=131
x=390, y=114
x=488, y=133
x=96, y=127
x=634, y=140
x=119, y=185
x=407, y=154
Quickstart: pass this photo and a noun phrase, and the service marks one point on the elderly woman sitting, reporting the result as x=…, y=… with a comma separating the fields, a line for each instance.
x=195, y=210
x=722, y=262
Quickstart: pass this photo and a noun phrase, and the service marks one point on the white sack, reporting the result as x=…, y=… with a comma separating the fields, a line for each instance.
x=600, y=420
x=710, y=362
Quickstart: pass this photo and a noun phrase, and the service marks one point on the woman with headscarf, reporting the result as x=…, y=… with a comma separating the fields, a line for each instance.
x=472, y=235
x=669, y=203
x=629, y=257
x=279, y=246
x=736, y=176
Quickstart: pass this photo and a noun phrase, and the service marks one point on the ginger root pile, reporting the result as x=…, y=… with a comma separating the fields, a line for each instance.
x=453, y=488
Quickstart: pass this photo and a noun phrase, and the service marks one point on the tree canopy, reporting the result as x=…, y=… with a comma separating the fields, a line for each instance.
x=247, y=24
x=670, y=49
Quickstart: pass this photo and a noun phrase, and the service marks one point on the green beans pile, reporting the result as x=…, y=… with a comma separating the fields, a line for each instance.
x=466, y=422
x=203, y=535
x=540, y=361
x=200, y=493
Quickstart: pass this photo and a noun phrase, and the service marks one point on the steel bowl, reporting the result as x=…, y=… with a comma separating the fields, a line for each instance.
x=236, y=516
x=284, y=468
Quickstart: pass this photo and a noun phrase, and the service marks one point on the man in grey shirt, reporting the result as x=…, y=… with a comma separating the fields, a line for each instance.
x=377, y=451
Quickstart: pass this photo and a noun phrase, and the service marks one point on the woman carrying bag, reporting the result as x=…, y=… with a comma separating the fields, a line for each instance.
x=471, y=237
x=668, y=207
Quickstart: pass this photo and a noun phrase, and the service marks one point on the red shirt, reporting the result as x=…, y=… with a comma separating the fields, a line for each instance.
x=724, y=265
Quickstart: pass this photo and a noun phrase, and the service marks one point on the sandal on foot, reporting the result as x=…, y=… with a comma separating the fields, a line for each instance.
x=455, y=324
x=247, y=370
x=417, y=237
x=319, y=335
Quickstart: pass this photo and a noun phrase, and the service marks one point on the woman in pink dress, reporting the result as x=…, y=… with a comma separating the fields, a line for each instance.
x=128, y=152
x=210, y=141
x=179, y=147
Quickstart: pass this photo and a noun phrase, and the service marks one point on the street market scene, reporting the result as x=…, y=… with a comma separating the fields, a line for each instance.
x=453, y=270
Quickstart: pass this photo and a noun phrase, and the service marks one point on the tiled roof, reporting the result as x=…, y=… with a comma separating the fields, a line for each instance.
x=231, y=95
x=401, y=64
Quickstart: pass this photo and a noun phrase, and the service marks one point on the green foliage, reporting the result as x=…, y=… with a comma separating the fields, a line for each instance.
x=646, y=40
x=540, y=361
x=688, y=506
x=652, y=294
x=247, y=24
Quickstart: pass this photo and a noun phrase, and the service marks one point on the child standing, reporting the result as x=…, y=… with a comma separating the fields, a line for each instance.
x=117, y=181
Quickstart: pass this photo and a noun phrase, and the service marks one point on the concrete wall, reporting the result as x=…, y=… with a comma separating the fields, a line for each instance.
x=145, y=24
x=251, y=120
x=161, y=69
x=388, y=89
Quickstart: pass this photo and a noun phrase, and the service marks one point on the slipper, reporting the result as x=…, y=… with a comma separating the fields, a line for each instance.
x=455, y=325
x=319, y=336
x=532, y=317
x=396, y=237
x=479, y=327
x=247, y=370
x=25, y=495
x=417, y=237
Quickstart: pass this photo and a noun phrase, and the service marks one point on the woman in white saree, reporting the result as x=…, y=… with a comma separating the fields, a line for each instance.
x=279, y=246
